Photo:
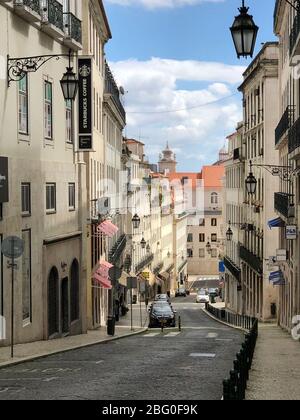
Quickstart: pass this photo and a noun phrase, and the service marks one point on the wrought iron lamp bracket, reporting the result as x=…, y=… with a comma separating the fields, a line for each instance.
x=17, y=68
x=284, y=172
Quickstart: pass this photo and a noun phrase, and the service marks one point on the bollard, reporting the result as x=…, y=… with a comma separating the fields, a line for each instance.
x=179, y=323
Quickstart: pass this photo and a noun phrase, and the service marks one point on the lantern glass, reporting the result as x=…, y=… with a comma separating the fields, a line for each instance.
x=69, y=85
x=229, y=235
x=143, y=243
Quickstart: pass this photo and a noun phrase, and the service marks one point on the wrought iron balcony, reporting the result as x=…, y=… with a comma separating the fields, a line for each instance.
x=111, y=89
x=294, y=136
x=234, y=269
x=73, y=27
x=294, y=35
x=117, y=250
x=32, y=4
x=53, y=13
x=251, y=259
x=158, y=268
x=282, y=204
x=144, y=263
x=286, y=122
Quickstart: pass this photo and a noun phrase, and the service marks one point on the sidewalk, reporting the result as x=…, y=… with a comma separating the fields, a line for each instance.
x=31, y=351
x=275, y=374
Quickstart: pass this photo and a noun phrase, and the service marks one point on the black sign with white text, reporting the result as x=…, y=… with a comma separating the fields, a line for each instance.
x=85, y=107
x=4, y=180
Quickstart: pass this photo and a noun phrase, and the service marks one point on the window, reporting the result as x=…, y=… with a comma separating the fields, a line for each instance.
x=190, y=253
x=214, y=237
x=190, y=237
x=202, y=222
x=214, y=198
x=214, y=222
x=51, y=198
x=23, y=105
x=26, y=199
x=202, y=237
x=69, y=122
x=26, y=277
x=72, y=204
x=214, y=253
x=48, y=110
x=202, y=253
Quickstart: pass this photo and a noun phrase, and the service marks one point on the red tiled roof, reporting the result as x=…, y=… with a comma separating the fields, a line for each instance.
x=212, y=176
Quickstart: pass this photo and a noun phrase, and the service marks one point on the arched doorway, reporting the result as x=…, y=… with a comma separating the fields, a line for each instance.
x=74, y=291
x=53, y=305
x=65, y=319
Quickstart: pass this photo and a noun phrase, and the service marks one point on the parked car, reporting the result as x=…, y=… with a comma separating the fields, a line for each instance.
x=162, y=298
x=162, y=314
x=180, y=292
x=202, y=297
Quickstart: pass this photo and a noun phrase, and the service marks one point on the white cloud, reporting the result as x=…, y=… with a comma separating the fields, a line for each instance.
x=160, y=107
x=159, y=4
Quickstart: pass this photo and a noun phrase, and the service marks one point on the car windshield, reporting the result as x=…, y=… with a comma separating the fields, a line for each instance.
x=202, y=293
x=162, y=310
x=161, y=297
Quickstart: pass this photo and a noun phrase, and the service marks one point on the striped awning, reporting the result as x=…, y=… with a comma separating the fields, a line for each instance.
x=276, y=223
x=101, y=275
x=108, y=228
x=277, y=278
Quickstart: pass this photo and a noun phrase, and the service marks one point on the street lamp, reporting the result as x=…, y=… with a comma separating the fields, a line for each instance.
x=17, y=68
x=143, y=243
x=244, y=32
x=229, y=233
x=148, y=249
x=136, y=221
x=251, y=182
x=208, y=247
x=69, y=84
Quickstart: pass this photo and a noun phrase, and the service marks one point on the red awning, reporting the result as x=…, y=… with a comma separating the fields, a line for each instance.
x=101, y=275
x=108, y=228
x=104, y=282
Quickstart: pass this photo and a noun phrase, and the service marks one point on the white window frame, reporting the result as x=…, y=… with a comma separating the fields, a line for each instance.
x=52, y=208
x=72, y=196
x=69, y=122
x=48, y=110
x=26, y=198
x=23, y=99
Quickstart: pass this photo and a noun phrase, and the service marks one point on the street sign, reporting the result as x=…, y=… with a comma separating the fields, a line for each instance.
x=131, y=282
x=291, y=232
x=12, y=247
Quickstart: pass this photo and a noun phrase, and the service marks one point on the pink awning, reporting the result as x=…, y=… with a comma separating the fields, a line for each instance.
x=108, y=228
x=103, y=281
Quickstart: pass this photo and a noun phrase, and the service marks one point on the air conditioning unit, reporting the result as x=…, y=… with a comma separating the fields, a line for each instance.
x=104, y=206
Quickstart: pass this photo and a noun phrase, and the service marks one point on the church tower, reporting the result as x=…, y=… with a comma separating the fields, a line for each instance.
x=167, y=161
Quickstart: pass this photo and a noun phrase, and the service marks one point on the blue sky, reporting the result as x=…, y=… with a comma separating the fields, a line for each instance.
x=174, y=57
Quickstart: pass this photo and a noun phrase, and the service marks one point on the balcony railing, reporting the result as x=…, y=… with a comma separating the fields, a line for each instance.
x=144, y=263
x=294, y=33
x=285, y=123
x=158, y=268
x=53, y=13
x=32, y=4
x=111, y=88
x=181, y=267
x=294, y=136
x=73, y=27
x=234, y=269
x=251, y=259
x=282, y=203
x=117, y=250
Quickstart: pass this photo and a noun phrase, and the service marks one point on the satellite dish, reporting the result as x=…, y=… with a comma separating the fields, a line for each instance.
x=122, y=90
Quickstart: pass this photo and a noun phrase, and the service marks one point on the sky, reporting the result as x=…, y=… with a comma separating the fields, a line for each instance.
x=177, y=64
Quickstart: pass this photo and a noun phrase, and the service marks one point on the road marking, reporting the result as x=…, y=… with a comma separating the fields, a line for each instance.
x=151, y=335
x=172, y=334
x=212, y=335
x=224, y=339
x=50, y=379
x=204, y=355
x=100, y=361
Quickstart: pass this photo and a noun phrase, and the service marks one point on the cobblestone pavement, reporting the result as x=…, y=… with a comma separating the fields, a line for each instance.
x=275, y=374
x=185, y=365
